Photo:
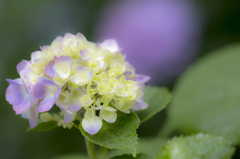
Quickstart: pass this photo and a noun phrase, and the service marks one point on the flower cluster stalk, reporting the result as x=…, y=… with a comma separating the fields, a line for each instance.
x=90, y=149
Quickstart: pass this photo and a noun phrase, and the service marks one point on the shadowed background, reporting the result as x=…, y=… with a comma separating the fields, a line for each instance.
x=161, y=38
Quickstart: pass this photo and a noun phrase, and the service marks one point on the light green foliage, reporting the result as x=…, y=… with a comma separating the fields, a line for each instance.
x=157, y=98
x=73, y=156
x=44, y=126
x=207, y=97
x=200, y=146
x=118, y=135
x=148, y=146
x=139, y=156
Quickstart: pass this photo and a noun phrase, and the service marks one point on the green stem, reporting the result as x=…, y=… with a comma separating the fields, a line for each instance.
x=103, y=152
x=90, y=149
x=89, y=145
x=76, y=126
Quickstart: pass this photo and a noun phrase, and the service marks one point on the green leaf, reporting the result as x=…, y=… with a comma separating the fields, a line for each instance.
x=148, y=146
x=118, y=135
x=200, y=146
x=139, y=156
x=72, y=156
x=157, y=98
x=44, y=126
x=207, y=96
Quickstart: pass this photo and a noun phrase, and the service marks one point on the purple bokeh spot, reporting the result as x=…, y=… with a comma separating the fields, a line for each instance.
x=159, y=37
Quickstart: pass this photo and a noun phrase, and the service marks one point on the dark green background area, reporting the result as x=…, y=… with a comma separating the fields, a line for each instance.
x=27, y=24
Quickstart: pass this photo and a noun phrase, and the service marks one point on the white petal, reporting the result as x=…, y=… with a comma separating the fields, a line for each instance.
x=109, y=114
x=82, y=76
x=37, y=57
x=63, y=66
x=91, y=123
x=110, y=45
x=97, y=108
x=111, y=109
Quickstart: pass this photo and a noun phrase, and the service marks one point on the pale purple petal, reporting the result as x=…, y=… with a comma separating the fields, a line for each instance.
x=75, y=106
x=63, y=58
x=22, y=106
x=27, y=69
x=81, y=36
x=15, y=81
x=68, y=36
x=25, y=86
x=49, y=71
x=74, y=102
x=34, y=116
x=17, y=95
x=139, y=105
x=32, y=97
x=21, y=66
x=68, y=115
x=32, y=123
x=15, y=91
x=47, y=103
x=57, y=41
x=141, y=78
x=92, y=126
x=61, y=63
x=127, y=73
x=43, y=87
x=45, y=48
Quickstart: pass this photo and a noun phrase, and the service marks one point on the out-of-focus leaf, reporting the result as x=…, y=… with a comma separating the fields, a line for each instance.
x=148, y=146
x=139, y=156
x=73, y=156
x=200, y=146
x=44, y=126
x=157, y=98
x=118, y=135
x=207, y=96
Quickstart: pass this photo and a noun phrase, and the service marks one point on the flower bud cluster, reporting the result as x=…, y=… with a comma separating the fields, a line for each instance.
x=77, y=75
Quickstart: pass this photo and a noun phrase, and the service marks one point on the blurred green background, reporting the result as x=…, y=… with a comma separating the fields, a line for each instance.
x=27, y=24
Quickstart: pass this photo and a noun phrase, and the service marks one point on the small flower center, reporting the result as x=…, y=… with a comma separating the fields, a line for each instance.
x=65, y=69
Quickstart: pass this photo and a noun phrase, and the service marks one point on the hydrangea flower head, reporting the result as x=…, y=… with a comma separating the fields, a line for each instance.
x=77, y=75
